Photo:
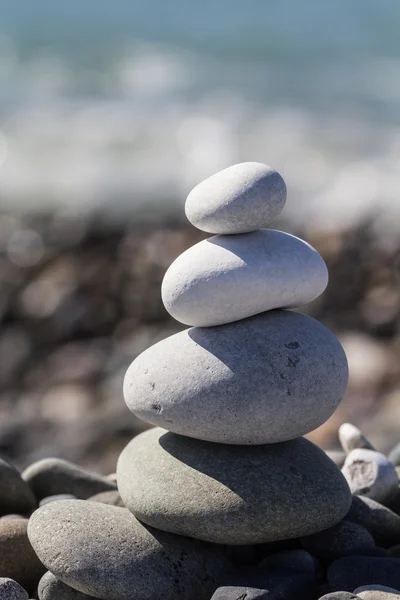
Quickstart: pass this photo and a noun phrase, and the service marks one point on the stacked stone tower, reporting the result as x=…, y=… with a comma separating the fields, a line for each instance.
x=233, y=394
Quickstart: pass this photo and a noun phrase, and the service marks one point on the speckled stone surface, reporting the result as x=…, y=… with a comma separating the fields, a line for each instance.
x=241, y=198
x=231, y=494
x=371, y=474
x=53, y=476
x=103, y=551
x=11, y=590
x=266, y=379
x=377, y=592
x=227, y=278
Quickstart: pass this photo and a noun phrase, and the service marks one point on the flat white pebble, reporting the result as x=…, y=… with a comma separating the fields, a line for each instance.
x=351, y=438
x=371, y=474
x=228, y=278
x=239, y=199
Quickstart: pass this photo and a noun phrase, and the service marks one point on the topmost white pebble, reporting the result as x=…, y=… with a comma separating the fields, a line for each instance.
x=240, y=199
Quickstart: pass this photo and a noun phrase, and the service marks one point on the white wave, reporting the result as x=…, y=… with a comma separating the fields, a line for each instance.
x=153, y=126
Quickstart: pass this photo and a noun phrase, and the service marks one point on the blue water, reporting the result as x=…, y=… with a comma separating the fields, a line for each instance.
x=128, y=104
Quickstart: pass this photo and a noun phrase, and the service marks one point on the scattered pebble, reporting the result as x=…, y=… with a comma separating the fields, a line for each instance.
x=57, y=497
x=394, y=455
x=339, y=596
x=11, y=590
x=54, y=476
x=51, y=588
x=15, y=495
x=377, y=592
x=371, y=474
x=240, y=593
x=381, y=522
x=111, y=497
x=351, y=438
x=17, y=557
x=343, y=539
x=351, y=572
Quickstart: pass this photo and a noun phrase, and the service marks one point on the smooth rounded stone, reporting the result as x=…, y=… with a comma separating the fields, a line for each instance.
x=51, y=588
x=11, y=590
x=351, y=572
x=15, y=495
x=292, y=560
x=12, y=516
x=337, y=456
x=103, y=551
x=57, y=497
x=53, y=476
x=382, y=523
x=230, y=494
x=17, y=557
x=111, y=497
x=241, y=198
x=343, y=539
x=263, y=380
x=230, y=592
x=339, y=596
x=371, y=474
x=377, y=592
x=394, y=455
x=290, y=585
x=351, y=438
x=229, y=278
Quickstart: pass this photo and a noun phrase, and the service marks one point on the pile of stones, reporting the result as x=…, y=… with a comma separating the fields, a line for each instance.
x=223, y=498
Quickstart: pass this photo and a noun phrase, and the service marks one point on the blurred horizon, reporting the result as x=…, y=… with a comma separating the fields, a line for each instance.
x=124, y=107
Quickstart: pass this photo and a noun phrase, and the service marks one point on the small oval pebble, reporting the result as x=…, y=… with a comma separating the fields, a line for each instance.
x=228, y=278
x=51, y=588
x=343, y=539
x=238, y=383
x=394, y=455
x=371, y=474
x=377, y=592
x=103, y=551
x=57, y=497
x=381, y=522
x=351, y=438
x=17, y=557
x=351, y=572
x=229, y=494
x=339, y=596
x=11, y=590
x=241, y=198
x=15, y=495
x=240, y=593
x=53, y=476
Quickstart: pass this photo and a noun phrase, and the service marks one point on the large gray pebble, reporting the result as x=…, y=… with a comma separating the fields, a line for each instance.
x=103, y=551
x=351, y=438
x=231, y=494
x=263, y=380
x=53, y=476
x=381, y=522
x=343, y=539
x=228, y=278
x=15, y=495
x=51, y=588
x=371, y=474
x=241, y=198
x=351, y=572
x=11, y=590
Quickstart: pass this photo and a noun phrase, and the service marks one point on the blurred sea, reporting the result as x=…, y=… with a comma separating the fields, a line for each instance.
x=126, y=105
